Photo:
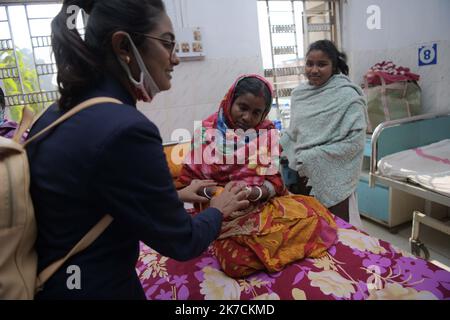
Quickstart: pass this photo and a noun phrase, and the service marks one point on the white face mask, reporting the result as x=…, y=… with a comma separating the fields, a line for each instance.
x=146, y=88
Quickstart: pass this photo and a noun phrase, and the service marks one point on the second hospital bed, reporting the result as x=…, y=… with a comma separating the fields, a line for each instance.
x=413, y=155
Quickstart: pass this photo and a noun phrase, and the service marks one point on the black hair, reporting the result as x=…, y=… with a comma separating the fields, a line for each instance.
x=338, y=59
x=256, y=87
x=2, y=98
x=82, y=63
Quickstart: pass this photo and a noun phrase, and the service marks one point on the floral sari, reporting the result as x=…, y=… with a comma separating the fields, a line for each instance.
x=267, y=235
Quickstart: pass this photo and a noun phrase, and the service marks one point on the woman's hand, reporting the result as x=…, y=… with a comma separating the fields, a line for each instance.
x=193, y=192
x=233, y=198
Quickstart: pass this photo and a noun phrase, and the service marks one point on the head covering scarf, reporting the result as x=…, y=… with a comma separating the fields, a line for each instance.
x=223, y=153
x=226, y=104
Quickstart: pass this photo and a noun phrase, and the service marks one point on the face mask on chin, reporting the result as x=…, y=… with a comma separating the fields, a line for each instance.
x=146, y=88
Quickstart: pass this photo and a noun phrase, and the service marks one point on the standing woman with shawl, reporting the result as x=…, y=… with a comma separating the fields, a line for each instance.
x=238, y=143
x=325, y=140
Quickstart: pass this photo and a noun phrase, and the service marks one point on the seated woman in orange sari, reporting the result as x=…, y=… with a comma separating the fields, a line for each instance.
x=237, y=143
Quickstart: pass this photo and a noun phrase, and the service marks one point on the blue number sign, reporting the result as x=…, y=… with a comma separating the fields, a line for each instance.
x=428, y=55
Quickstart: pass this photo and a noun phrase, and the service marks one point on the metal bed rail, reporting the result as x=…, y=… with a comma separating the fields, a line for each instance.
x=388, y=124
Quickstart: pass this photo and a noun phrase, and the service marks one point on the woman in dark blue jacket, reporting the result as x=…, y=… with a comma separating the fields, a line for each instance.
x=108, y=159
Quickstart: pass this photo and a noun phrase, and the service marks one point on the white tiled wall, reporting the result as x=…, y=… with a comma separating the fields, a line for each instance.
x=197, y=89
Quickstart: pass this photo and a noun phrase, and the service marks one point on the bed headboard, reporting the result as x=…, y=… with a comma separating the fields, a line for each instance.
x=398, y=135
x=175, y=153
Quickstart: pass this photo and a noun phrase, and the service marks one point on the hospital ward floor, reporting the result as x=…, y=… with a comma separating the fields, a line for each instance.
x=437, y=243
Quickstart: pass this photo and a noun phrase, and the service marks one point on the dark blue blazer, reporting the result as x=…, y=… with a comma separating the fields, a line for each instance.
x=108, y=159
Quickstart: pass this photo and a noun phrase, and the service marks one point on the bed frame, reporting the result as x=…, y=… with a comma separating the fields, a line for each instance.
x=398, y=135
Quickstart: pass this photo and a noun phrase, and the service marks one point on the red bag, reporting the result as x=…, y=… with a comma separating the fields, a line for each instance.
x=390, y=73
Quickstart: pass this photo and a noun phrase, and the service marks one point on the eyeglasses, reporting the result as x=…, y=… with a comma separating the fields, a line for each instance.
x=169, y=44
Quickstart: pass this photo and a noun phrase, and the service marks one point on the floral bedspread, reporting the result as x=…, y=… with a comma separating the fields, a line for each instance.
x=357, y=267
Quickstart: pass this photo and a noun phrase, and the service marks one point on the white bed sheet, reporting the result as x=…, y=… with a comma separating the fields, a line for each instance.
x=428, y=166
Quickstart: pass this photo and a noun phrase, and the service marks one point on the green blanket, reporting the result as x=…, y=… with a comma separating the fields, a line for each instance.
x=325, y=139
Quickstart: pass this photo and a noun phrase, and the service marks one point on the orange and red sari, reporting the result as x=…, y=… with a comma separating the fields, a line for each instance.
x=267, y=235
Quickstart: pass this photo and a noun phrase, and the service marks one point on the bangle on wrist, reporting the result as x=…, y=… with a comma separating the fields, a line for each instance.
x=270, y=189
x=205, y=193
x=259, y=195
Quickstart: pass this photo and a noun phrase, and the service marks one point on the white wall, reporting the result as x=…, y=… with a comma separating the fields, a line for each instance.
x=231, y=43
x=405, y=26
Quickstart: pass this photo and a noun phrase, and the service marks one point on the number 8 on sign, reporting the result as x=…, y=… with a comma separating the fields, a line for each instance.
x=428, y=55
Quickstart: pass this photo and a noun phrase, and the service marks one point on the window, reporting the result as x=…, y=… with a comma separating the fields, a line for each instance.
x=287, y=27
x=27, y=66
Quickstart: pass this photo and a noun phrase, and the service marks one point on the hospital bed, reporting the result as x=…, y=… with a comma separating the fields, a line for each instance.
x=412, y=155
x=356, y=267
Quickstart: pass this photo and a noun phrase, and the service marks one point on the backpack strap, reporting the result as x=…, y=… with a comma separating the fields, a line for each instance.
x=86, y=104
x=85, y=242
